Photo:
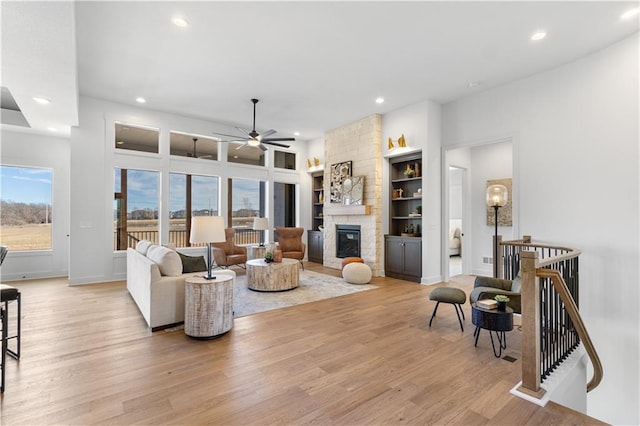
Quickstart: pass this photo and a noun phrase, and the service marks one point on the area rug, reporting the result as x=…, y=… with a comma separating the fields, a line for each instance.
x=313, y=286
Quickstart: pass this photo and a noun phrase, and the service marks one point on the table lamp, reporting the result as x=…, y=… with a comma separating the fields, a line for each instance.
x=261, y=224
x=497, y=196
x=207, y=229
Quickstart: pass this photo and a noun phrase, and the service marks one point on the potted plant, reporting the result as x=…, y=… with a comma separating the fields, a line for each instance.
x=268, y=257
x=409, y=172
x=502, y=301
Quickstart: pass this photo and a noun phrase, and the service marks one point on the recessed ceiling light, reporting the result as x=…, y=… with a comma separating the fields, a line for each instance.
x=52, y=129
x=141, y=100
x=296, y=133
x=41, y=100
x=119, y=142
x=379, y=100
x=474, y=83
x=539, y=35
x=179, y=21
x=630, y=13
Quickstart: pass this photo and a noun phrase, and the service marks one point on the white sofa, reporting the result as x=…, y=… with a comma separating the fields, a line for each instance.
x=159, y=297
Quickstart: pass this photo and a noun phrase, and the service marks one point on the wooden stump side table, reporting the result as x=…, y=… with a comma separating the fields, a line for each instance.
x=208, y=310
x=263, y=276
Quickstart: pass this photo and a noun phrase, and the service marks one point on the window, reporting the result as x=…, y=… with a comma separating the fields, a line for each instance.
x=26, y=210
x=284, y=207
x=245, y=154
x=190, y=195
x=193, y=146
x=284, y=160
x=136, y=138
x=247, y=201
x=135, y=207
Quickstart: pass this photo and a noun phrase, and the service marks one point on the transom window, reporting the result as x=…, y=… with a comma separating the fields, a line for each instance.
x=136, y=138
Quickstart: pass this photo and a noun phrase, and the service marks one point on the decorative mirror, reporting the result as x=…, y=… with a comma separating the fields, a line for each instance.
x=353, y=190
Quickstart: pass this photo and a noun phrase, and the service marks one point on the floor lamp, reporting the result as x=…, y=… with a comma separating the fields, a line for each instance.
x=261, y=224
x=207, y=229
x=497, y=196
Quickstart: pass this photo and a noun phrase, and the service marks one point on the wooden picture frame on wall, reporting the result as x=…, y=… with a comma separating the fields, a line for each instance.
x=505, y=214
x=339, y=171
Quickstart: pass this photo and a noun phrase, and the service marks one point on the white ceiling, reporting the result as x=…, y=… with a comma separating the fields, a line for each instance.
x=313, y=65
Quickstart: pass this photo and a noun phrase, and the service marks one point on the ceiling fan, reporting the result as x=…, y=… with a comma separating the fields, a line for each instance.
x=194, y=153
x=253, y=138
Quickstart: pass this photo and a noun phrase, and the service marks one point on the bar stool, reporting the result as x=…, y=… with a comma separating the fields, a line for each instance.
x=3, y=355
x=9, y=294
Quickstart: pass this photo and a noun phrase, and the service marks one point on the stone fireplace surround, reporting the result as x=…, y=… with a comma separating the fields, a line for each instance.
x=361, y=143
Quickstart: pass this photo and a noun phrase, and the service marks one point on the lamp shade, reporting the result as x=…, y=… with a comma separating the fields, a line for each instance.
x=260, y=223
x=497, y=195
x=207, y=229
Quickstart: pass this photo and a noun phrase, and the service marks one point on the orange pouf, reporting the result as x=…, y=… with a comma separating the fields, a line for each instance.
x=348, y=260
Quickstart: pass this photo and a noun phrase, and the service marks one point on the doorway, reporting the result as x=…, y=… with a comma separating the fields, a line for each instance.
x=456, y=213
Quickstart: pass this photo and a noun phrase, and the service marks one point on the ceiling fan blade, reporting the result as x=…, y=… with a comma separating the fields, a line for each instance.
x=242, y=146
x=265, y=134
x=246, y=132
x=275, y=144
x=234, y=141
x=278, y=139
x=262, y=147
x=228, y=136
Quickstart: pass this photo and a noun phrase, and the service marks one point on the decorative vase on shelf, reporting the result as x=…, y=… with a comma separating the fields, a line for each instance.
x=321, y=197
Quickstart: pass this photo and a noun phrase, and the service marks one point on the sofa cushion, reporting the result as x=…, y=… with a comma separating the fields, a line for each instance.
x=167, y=260
x=192, y=263
x=143, y=246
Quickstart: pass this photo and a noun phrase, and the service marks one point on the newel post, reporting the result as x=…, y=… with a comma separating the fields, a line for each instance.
x=530, y=303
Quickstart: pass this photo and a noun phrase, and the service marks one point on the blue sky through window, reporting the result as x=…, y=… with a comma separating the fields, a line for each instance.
x=25, y=184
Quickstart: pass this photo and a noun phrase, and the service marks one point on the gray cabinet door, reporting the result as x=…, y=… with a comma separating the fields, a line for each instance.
x=413, y=257
x=394, y=255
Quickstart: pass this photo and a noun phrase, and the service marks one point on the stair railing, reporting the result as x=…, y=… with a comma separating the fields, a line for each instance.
x=552, y=327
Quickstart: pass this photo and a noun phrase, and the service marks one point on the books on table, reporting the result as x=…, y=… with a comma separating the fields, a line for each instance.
x=487, y=304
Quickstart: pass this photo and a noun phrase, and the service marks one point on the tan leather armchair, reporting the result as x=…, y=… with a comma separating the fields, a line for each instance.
x=227, y=254
x=290, y=243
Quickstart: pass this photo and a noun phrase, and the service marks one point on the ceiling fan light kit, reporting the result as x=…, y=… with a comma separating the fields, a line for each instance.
x=255, y=139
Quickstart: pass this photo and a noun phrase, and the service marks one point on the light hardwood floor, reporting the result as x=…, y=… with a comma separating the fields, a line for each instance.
x=364, y=358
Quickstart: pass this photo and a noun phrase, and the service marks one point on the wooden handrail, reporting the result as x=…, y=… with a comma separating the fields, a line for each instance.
x=538, y=262
x=563, y=291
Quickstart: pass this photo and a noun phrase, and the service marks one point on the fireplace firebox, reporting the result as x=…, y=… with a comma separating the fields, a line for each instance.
x=347, y=241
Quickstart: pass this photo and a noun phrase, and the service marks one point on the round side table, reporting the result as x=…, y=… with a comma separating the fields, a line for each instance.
x=495, y=321
x=262, y=276
x=208, y=306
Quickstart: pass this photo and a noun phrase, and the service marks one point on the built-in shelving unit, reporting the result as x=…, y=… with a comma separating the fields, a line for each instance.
x=315, y=237
x=403, y=245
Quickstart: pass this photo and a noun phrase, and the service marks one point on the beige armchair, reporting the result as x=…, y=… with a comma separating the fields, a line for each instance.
x=228, y=253
x=290, y=242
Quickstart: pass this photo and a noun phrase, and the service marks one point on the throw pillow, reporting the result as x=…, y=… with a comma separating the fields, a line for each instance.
x=192, y=263
x=143, y=246
x=167, y=260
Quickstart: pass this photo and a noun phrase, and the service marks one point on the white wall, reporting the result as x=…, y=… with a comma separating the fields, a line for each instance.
x=576, y=153
x=492, y=161
x=93, y=157
x=420, y=124
x=34, y=150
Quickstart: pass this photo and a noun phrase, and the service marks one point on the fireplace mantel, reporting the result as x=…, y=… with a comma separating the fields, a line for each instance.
x=340, y=210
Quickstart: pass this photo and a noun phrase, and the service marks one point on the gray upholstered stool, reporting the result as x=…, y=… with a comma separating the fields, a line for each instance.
x=451, y=295
x=10, y=294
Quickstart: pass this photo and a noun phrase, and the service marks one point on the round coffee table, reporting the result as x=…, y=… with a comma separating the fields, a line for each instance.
x=208, y=306
x=495, y=321
x=281, y=276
